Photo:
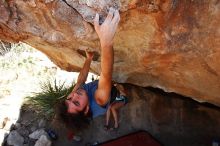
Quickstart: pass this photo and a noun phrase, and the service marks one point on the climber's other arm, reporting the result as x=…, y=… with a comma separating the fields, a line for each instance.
x=84, y=71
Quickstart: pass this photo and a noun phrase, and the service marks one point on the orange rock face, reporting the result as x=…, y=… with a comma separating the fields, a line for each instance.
x=170, y=44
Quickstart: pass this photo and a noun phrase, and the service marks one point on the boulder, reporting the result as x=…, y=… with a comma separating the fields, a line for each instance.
x=43, y=141
x=15, y=139
x=37, y=134
x=168, y=44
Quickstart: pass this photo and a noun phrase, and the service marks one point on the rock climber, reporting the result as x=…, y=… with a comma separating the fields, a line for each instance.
x=94, y=99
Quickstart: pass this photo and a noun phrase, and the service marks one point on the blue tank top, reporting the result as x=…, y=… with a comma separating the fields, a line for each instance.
x=95, y=108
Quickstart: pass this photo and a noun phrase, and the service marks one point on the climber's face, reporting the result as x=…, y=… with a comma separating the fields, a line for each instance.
x=77, y=101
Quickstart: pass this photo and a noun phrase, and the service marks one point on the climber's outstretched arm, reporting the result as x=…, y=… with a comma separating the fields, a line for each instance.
x=106, y=33
x=84, y=71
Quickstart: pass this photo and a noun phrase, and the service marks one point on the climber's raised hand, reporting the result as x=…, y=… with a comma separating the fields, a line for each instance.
x=89, y=55
x=107, y=30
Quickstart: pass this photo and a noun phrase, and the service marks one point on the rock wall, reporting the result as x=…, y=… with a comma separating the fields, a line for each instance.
x=170, y=44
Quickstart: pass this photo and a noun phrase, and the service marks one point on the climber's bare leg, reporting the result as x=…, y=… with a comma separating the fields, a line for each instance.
x=108, y=114
x=114, y=107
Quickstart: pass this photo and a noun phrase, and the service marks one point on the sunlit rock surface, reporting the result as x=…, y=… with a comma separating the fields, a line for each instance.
x=170, y=44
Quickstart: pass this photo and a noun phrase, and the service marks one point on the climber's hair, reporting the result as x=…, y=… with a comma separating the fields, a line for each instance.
x=76, y=122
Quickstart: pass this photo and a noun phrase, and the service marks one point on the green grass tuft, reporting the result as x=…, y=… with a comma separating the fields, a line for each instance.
x=52, y=92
